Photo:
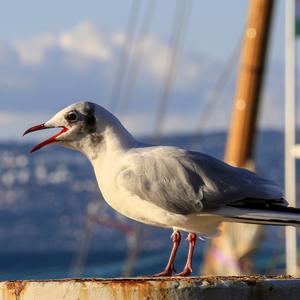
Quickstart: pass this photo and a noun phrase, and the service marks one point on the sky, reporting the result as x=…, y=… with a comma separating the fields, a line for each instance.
x=55, y=53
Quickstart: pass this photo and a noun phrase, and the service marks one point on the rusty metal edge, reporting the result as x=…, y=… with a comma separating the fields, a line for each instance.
x=210, y=279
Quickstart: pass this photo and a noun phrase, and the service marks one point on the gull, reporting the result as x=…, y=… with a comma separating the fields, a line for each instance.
x=166, y=186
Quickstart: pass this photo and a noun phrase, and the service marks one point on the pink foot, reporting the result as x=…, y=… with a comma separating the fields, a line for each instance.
x=166, y=272
x=185, y=272
x=163, y=273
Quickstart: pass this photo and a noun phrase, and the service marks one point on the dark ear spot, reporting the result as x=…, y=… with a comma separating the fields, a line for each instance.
x=89, y=117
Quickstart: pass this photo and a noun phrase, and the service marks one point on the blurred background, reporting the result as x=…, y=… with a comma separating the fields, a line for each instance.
x=169, y=70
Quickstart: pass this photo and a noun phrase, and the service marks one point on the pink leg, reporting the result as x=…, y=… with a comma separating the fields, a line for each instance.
x=188, y=266
x=176, y=237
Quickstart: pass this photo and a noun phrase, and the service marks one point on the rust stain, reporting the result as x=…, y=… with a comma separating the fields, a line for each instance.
x=15, y=288
x=137, y=288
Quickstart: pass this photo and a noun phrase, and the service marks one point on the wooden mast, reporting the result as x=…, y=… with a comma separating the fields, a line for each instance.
x=226, y=250
x=244, y=115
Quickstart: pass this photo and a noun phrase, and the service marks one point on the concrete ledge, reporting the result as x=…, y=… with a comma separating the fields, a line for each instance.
x=245, y=287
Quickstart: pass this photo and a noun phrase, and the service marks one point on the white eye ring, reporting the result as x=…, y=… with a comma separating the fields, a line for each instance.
x=72, y=116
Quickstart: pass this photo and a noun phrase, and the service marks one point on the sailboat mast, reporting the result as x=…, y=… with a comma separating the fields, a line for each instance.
x=241, y=136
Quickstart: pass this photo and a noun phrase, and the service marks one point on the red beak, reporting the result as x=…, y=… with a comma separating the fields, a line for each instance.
x=46, y=142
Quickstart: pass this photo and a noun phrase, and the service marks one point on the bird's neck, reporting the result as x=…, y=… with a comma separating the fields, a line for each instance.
x=117, y=138
x=112, y=140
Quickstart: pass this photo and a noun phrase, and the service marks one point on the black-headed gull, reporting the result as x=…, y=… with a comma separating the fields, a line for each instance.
x=166, y=186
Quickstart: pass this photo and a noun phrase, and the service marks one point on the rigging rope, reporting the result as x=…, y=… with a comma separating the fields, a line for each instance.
x=137, y=56
x=182, y=12
x=124, y=55
x=215, y=94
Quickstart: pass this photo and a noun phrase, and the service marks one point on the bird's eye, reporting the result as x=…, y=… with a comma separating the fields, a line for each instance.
x=72, y=116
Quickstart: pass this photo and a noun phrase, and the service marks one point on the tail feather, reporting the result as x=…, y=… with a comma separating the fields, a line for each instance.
x=278, y=215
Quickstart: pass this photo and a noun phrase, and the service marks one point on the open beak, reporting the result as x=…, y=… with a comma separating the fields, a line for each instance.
x=48, y=141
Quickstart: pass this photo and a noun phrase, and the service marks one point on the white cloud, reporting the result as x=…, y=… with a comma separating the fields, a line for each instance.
x=157, y=59
x=118, y=39
x=33, y=51
x=85, y=42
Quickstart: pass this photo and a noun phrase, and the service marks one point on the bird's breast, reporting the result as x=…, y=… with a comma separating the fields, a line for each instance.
x=125, y=202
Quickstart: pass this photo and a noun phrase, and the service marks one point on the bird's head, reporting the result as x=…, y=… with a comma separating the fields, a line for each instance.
x=78, y=123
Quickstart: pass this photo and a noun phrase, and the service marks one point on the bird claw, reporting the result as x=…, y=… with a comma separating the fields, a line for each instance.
x=186, y=272
x=167, y=272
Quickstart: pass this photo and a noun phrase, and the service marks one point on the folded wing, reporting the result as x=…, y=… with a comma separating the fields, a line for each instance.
x=187, y=182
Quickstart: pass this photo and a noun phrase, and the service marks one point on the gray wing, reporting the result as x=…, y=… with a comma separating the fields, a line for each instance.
x=227, y=185
x=188, y=182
